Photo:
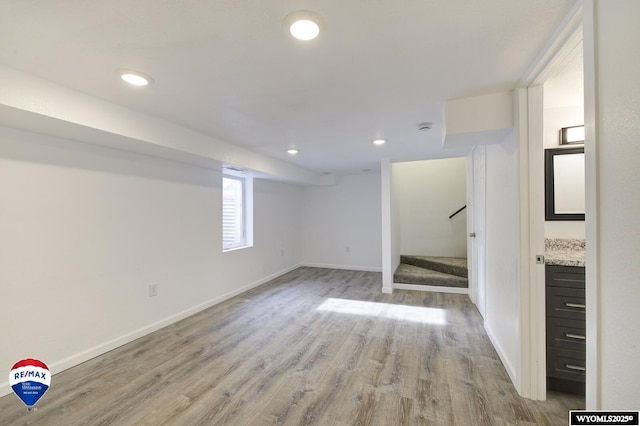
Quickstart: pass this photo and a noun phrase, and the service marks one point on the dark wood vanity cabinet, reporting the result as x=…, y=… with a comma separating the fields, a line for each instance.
x=566, y=338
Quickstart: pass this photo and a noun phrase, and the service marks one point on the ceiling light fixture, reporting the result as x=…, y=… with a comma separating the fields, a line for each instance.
x=303, y=24
x=571, y=135
x=292, y=151
x=135, y=78
x=379, y=142
x=304, y=29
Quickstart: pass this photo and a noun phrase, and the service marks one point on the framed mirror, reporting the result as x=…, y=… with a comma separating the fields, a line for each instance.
x=564, y=183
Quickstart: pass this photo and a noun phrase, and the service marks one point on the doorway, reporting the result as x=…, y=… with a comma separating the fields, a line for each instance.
x=560, y=52
x=476, y=202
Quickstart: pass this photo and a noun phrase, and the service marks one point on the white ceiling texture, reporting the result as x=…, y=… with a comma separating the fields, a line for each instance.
x=228, y=68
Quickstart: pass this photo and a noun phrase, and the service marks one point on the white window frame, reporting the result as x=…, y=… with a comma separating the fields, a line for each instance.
x=246, y=232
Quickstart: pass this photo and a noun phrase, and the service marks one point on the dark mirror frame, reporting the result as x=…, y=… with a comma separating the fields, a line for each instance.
x=549, y=184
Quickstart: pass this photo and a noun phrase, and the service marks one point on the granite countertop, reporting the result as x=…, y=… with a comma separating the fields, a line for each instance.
x=564, y=252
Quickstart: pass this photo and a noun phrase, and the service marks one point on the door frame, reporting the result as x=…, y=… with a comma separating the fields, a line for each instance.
x=476, y=207
x=529, y=107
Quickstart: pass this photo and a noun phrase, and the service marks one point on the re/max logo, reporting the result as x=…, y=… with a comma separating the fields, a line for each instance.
x=35, y=374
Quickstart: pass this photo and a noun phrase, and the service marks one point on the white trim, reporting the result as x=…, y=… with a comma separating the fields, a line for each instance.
x=471, y=212
x=236, y=248
x=521, y=106
x=532, y=303
x=534, y=289
x=593, y=396
x=347, y=267
x=553, y=55
x=529, y=103
x=505, y=360
x=432, y=288
x=79, y=358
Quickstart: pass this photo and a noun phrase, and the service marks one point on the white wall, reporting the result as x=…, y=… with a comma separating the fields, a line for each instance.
x=556, y=118
x=503, y=252
x=553, y=120
x=478, y=120
x=390, y=227
x=84, y=230
x=427, y=193
x=341, y=224
x=613, y=203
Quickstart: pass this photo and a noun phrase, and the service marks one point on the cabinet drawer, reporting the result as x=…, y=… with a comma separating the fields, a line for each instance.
x=564, y=276
x=566, y=333
x=566, y=364
x=565, y=303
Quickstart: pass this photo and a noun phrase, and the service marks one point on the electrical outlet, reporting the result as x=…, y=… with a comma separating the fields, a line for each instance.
x=282, y=252
x=153, y=290
x=347, y=249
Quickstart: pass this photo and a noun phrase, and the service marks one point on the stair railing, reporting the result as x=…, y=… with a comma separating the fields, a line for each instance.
x=458, y=211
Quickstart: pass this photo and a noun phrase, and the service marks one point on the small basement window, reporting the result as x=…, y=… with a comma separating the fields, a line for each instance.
x=237, y=208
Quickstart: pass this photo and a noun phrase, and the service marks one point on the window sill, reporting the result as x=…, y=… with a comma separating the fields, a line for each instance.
x=226, y=250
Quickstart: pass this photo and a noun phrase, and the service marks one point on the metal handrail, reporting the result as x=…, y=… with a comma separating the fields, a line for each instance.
x=458, y=211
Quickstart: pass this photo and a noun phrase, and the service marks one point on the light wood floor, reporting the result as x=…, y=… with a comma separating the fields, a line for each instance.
x=315, y=346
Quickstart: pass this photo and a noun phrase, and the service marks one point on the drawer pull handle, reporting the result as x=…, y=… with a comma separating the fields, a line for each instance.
x=575, y=305
x=574, y=336
x=575, y=367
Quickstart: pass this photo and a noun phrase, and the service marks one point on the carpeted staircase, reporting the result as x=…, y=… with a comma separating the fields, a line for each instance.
x=432, y=271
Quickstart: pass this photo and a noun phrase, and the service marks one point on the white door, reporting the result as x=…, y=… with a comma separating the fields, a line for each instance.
x=476, y=227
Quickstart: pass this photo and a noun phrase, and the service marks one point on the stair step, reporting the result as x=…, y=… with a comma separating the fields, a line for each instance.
x=410, y=274
x=448, y=265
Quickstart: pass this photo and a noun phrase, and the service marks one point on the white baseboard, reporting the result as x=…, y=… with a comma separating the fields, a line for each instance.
x=505, y=361
x=434, y=288
x=348, y=267
x=79, y=358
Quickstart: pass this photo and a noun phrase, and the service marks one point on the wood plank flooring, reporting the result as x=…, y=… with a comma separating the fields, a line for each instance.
x=313, y=347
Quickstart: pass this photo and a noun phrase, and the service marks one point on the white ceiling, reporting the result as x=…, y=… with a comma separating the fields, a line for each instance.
x=566, y=87
x=227, y=68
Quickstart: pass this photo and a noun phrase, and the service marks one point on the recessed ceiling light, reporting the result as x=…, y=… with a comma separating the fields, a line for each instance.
x=135, y=78
x=304, y=29
x=379, y=142
x=292, y=151
x=303, y=24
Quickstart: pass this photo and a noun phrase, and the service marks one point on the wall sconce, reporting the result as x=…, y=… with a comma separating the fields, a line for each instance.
x=572, y=135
